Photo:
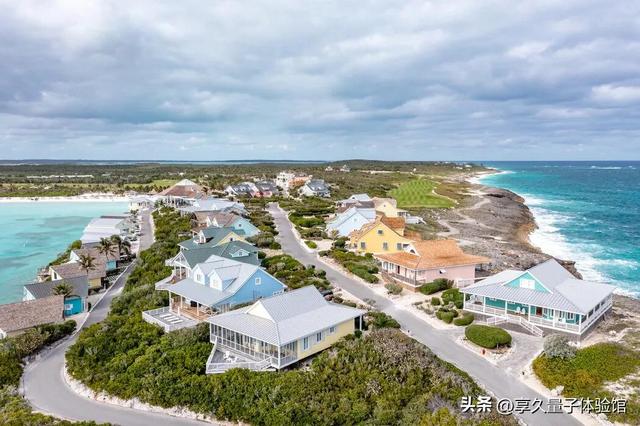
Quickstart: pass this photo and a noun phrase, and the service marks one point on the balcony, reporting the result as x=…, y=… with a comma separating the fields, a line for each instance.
x=223, y=358
x=168, y=319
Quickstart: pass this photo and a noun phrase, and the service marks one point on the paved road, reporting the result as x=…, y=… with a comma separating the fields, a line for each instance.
x=501, y=384
x=46, y=390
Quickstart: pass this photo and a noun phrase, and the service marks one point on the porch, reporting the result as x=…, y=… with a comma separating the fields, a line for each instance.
x=224, y=358
x=167, y=319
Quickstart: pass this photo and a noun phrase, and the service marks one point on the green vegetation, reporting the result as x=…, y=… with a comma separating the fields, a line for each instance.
x=363, y=266
x=487, y=336
x=311, y=244
x=420, y=193
x=382, y=378
x=393, y=288
x=435, y=301
x=436, y=286
x=447, y=315
x=294, y=274
x=453, y=296
x=13, y=409
x=558, y=346
x=464, y=320
x=64, y=256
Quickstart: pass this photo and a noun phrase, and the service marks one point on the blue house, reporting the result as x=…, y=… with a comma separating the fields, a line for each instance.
x=217, y=285
x=240, y=224
x=74, y=303
x=546, y=296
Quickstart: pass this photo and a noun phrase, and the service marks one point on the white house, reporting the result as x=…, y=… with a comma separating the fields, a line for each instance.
x=350, y=220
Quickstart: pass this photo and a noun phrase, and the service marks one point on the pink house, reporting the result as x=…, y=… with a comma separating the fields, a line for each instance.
x=424, y=261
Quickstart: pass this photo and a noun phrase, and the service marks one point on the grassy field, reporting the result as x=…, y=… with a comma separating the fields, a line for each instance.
x=419, y=193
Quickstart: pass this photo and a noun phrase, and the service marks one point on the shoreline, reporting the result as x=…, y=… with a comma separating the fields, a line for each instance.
x=84, y=198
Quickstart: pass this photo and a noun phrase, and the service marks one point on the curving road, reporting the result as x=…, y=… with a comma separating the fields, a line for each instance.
x=46, y=390
x=495, y=380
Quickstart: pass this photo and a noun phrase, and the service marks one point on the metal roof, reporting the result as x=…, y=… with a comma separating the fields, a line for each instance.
x=368, y=214
x=570, y=294
x=287, y=317
x=228, y=250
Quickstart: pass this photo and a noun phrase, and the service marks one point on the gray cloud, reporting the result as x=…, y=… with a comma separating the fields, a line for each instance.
x=284, y=79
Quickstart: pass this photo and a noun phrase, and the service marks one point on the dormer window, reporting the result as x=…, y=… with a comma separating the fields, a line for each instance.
x=528, y=283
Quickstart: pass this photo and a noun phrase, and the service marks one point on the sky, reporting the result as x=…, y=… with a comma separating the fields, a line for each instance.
x=320, y=80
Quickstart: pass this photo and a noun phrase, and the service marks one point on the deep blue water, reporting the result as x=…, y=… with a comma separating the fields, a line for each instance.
x=33, y=233
x=586, y=211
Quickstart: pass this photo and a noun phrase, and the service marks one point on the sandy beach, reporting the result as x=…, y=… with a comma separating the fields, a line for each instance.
x=89, y=197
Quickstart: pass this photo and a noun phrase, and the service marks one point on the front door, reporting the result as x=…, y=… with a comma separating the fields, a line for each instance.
x=538, y=311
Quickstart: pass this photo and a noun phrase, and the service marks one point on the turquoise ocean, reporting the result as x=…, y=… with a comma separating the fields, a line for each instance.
x=33, y=233
x=586, y=211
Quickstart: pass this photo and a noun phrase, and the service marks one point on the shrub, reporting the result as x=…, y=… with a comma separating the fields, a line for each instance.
x=275, y=246
x=446, y=316
x=466, y=319
x=487, y=336
x=557, y=346
x=340, y=242
x=436, y=286
x=381, y=320
x=393, y=288
x=311, y=244
x=435, y=301
x=454, y=296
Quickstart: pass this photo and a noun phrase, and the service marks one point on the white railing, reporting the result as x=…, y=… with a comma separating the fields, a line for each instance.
x=153, y=317
x=162, y=284
x=495, y=320
x=221, y=367
x=464, y=282
x=483, y=309
x=529, y=326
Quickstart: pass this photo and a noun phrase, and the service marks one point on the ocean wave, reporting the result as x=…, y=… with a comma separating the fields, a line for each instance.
x=606, y=168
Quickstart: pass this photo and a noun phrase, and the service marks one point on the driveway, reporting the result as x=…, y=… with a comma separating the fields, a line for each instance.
x=47, y=391
x=492, y=378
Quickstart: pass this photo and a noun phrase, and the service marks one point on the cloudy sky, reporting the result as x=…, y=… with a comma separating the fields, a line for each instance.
x=211, y=80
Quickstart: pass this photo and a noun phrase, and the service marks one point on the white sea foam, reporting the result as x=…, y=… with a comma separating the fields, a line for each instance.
x=606, y=168
x=479, y=178
x=550, y=240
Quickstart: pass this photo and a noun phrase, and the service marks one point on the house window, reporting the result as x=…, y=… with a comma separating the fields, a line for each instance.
x=385, y=246
x=68, y=306
x=379, y=231
x=332, y=329
x=399, y=246
x=363, y=245
x=527, y=283
x=319, y=337
x=305, y=343
x=258, y=280
x=570, y=316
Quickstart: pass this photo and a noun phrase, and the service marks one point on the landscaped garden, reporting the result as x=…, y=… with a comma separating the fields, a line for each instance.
x=420, y=193
x=364, y=266
x=487, y=336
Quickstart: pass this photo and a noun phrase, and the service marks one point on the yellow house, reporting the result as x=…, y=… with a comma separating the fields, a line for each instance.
x=278, y=331
x=73, y=270
x=388, y=207
x=212, y=237
x=379, y=237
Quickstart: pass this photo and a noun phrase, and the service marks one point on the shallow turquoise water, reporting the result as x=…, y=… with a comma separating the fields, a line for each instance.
x=586, y=211
x=34, y=233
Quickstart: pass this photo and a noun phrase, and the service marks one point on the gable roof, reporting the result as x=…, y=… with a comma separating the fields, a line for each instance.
x=378, y=201
x=185, y=188
x=317, y=185
x=216, y=234
x=212, y=204
x=224, y=219
x=286, y=317
x=570, y=294
x=368, y=214
x=74, y=269
x=358, y=234
x=226, y=250
x=433, y=254
x=360, y=197
x=99, y=257
x=395, y=223
x=31, y=313
x=43, y=289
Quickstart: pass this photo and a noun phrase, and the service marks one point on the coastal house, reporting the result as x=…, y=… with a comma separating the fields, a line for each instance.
x=423, y=261
x=244, y=189
x=216, y=285
x=212, y=205
x=183, y=192
x=240, y=251
x=18, y=317
x=389, y=208
x=74, y=303
x=350, y=220
x=278, y=331
x=240, y=224
x=106, y=227
x=71, y=270
x=211, y=237
x=315, y=188
x=266, y=188
x=356, y=200
x=110, y=260
x=328, y=169
x=142, y=202
x=546, y=296
x=345, y=169
x=289, y=180
x=377, y=237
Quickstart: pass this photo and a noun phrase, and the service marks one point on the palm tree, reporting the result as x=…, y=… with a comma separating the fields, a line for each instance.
x=124, y=247
x=106, y=247
x=64, y=288
x=87, y=262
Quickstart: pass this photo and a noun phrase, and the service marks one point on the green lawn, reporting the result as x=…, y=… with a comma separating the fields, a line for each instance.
x=419, y=193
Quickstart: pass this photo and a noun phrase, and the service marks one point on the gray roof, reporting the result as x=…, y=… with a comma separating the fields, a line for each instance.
x=213, y=236
x=566, y=293
x=287, y=317
x=31, y=313
x=369, y=214
x=211, y=204
x=317, y=185
x=228, y=250
x=45, y=289
x=267, y=185
x=360, y=197
x=200, y=293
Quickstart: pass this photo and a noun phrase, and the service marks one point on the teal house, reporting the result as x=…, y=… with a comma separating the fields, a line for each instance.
x=74, y=303
x=546, y=296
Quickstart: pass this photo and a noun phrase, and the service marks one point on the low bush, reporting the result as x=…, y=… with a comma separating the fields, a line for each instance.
x=311, y=244
x=435, y=301
x=275, y=246
x=453, y=295
x=377, y=320
x=446, y=316
x=393, y=288
x=436, y=286
x=557, y=346
x=466, y=319
x=487, y=336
